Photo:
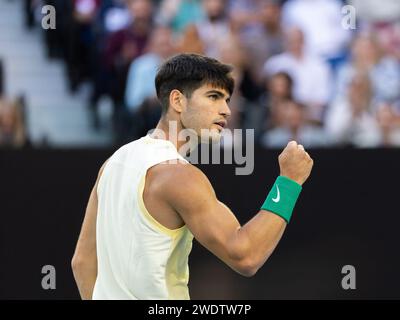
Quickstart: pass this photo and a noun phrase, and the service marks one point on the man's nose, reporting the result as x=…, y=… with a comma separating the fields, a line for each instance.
x=225, y=110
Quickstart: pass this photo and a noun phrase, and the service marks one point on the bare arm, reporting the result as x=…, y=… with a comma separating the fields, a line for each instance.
x=84, y=261
x=244, y=248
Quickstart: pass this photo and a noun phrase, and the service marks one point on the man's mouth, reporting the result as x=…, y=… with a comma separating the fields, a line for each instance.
x=221, y=123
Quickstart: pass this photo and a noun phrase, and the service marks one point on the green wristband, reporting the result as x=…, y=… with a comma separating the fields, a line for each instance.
x=282, y=197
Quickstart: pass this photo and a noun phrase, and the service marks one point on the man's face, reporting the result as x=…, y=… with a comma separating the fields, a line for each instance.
x=214, y=8
x=294, y=40
x=279, y=86
x=140, y=9
x=161, y=42
x=294, y=115
x=206, y=112
x=270, y=13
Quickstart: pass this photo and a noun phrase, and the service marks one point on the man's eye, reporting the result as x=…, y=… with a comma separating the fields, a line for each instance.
x=213, y=97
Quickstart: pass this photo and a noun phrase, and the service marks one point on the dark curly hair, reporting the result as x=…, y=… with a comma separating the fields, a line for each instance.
x=188, y=72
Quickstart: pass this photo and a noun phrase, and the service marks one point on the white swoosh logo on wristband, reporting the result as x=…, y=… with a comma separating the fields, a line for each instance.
x=278, y=196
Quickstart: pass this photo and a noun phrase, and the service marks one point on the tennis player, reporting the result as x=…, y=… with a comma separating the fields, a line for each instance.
x=148, y=202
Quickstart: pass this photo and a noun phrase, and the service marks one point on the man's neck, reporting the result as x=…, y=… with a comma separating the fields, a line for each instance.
x=170, y=130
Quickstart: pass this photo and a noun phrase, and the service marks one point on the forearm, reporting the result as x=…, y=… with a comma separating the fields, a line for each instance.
x=214, y=225
x=260, y=236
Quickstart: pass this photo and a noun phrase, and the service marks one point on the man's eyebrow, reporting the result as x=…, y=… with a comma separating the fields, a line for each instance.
x=219, y=93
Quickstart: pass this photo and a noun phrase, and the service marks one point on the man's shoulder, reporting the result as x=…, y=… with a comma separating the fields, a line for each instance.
x=183, y=186
x=178, y=178
x=125, y=153
x=175, y=170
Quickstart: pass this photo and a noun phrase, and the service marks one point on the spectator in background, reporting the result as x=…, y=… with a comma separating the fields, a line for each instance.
x=350, y=120
x=383, y=71
x=231, y=52
x=113, y=15
x=56, y=39
x=294, y=126
x=124, y=46
x=383, y=19
x=12, y=128
x=268, y=114
x=264, y=41
x=279, y=88
x=143, y=108
x=311, y=75
x=244, y=15
x=320, y=21
x=81, y=41
x=215, y=28
x=178, y=14
x=143, y=70
x=190, y=41
x=389, y=124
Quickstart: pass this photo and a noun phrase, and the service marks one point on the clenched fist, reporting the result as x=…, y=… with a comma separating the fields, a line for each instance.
x=295, y=163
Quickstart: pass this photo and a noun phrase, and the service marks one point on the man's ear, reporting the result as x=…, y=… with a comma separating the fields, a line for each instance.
x=177, y=100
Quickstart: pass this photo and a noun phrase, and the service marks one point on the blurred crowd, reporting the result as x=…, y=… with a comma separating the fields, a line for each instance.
x=301, y=73
x=12, y=122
